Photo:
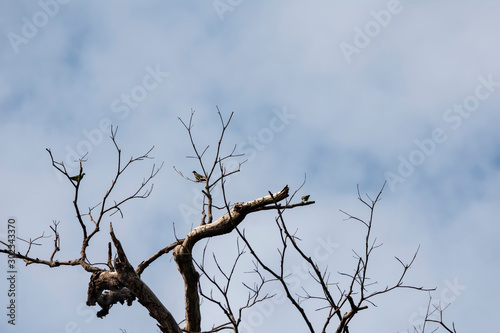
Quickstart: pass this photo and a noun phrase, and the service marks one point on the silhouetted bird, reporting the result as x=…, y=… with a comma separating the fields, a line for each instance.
x=77, y=178
x=198, y=177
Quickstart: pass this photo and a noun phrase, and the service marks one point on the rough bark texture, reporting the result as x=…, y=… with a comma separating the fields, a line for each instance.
x=108, y=288
x=224, y=225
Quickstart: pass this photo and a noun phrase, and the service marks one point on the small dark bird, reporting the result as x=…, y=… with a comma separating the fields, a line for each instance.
x=77, y=178
x=198, y=177
x=305, y=198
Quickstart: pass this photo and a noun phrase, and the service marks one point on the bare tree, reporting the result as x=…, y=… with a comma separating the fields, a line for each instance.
x=434, y=316
x=117, y=281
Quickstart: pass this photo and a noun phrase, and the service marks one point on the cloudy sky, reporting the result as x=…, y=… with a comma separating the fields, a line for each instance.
x=345, y=92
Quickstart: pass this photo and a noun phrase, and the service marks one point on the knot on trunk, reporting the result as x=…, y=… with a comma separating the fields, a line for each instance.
x=106, y=290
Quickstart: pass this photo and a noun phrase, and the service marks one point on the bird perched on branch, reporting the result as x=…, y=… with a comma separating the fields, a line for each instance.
x=305, y=198
x=198, y=177
x=77, y=178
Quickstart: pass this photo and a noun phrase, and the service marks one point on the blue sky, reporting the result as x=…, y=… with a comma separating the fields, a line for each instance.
x=347, y=93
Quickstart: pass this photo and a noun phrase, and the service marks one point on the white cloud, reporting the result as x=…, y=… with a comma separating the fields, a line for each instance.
x=352, y=122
